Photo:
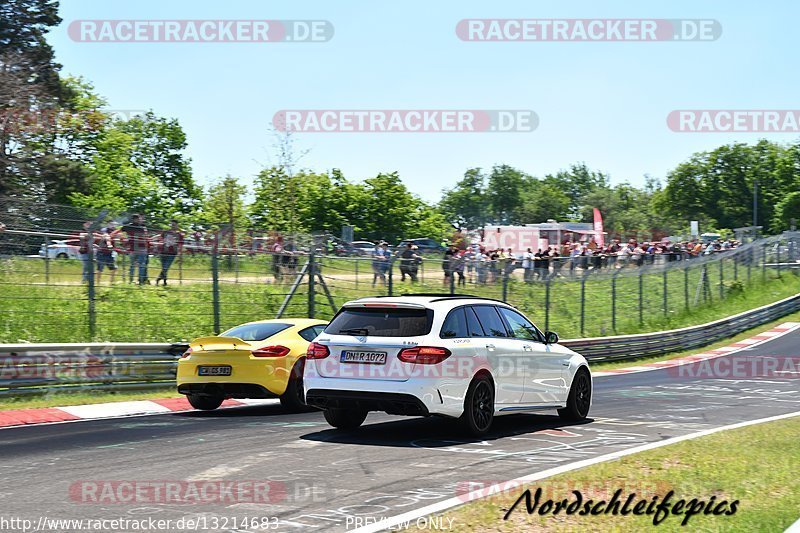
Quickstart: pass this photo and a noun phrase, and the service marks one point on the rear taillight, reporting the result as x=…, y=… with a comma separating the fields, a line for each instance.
x=317, y=351
x=187, y=353
x=424, y=355
x=271, y=351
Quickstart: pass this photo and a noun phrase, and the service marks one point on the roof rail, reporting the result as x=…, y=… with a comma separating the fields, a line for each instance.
x=439, y=296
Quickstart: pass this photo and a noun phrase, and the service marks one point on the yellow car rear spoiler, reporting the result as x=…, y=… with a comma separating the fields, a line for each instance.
x=212, y=344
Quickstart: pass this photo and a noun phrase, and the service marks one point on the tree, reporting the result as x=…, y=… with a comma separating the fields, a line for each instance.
x=465, y=205
x=503, y=194
x=786, y=210
x=224, y=205
x=543, y=200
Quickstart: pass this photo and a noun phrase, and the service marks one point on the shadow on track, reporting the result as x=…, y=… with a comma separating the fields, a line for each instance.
x=439, y=432
x=250, y=410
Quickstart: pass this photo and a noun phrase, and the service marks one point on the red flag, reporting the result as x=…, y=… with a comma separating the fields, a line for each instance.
x=598, y=228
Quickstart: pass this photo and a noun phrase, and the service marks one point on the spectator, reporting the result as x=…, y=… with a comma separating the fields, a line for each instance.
x=85, y=250
x=380, y=263
x=528, y=262
x=416, y=260
x=447, y=265
x=458, y=267
x=138, y=247
x=2, y=227
x=406, y=261
x=105, y=253
x=171, y=245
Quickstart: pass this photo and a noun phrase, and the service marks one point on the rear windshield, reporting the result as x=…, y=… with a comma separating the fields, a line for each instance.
x=381, y=322
x=255, y=332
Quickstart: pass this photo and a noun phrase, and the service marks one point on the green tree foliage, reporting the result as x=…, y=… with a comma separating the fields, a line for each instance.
x=717, y=186
x=464, y=205
x=786, y=210
x=224, y=205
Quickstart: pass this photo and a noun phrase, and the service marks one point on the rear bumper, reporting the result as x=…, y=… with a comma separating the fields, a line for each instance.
x=229, y=390
x=390, y=402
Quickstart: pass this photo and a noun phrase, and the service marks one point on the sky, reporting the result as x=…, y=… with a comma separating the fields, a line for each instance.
x=602, y=103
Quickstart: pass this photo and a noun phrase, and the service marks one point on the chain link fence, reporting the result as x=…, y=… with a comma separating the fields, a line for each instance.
x=50, y=292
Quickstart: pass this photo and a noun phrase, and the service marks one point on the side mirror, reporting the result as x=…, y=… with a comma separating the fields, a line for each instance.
x=551, y=337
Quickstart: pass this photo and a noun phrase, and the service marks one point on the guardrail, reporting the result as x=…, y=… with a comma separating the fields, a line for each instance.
x=30, y=369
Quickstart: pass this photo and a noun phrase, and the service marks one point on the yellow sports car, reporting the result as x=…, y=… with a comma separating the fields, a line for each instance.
x=255, y=360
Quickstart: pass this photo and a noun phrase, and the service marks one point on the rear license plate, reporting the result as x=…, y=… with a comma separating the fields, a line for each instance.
x=372, y=358
x=214, y=371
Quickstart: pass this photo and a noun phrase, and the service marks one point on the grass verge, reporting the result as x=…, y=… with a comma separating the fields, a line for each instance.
x=756, y=465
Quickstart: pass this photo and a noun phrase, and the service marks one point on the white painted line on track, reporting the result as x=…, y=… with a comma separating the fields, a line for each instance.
x=115, y=409
x=444, y=505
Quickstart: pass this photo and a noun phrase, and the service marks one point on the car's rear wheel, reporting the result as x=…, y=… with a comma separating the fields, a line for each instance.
x=62, y=255
x=345, y=418
x=580, y=397
x=293, y=399
x=479, y=406
x=205, y=402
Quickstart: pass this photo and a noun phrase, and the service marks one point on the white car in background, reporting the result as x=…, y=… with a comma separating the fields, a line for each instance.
x=60, y=249
x=462, y=357
x=363, y=247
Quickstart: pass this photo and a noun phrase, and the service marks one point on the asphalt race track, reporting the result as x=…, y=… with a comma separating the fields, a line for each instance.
x=389, y=466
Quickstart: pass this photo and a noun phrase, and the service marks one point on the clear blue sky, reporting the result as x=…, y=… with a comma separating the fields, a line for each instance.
x=602, y=103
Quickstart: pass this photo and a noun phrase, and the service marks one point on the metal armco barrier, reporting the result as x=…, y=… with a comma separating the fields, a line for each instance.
x=623, y=347
x=28, y=369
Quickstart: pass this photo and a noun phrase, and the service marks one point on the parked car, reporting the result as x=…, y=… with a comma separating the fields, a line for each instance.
x=429, y=246
x=362, y=247
x=462, y=357
x=60, y=249
x=255, y=360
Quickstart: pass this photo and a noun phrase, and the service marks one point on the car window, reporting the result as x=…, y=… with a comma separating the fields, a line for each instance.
x=519, y=326
x=381, y=322
x=311, y=333
x=473, y=325
x=455, y=325
x=255, y=332
x=490, y=321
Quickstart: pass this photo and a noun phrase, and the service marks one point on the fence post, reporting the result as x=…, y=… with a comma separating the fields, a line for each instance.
x=91, y=291
x=686, y=286
x=453, y=282
x=764, y=262
x=356, y=273
x=721, y=279
x=215, y=284
x=505, y=283
x=705, y=286
x=666, y=311
x=547, y=304
x=311, y=285
x=47, y=259
x=390, y=284
x=180, y=266
x=778, y=257
x=614, y=300
x=583, y=301
x=641, y=297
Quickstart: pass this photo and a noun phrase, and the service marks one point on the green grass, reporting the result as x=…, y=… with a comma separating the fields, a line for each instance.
x=82, y=398
x=52, y=306
x=756, y=465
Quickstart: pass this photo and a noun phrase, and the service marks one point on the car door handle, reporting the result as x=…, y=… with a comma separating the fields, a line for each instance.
x=527, y=347
x=490, y=346
x=565, y=363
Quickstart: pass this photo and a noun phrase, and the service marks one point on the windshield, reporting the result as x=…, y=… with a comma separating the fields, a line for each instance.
x=381, y=322
x=255, y=332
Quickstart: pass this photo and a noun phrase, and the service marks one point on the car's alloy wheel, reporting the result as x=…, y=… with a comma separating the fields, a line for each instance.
x=580, y=397
x=479, y=407
x=293, y=399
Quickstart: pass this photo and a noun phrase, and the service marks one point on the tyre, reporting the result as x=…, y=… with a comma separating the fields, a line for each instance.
x=293, y=399
x=478, y=407
x=579, y=399
x=205, y=402
x=345, y=418
x=62, y=255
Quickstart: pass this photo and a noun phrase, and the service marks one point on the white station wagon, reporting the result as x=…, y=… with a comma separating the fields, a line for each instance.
x=455, y=356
